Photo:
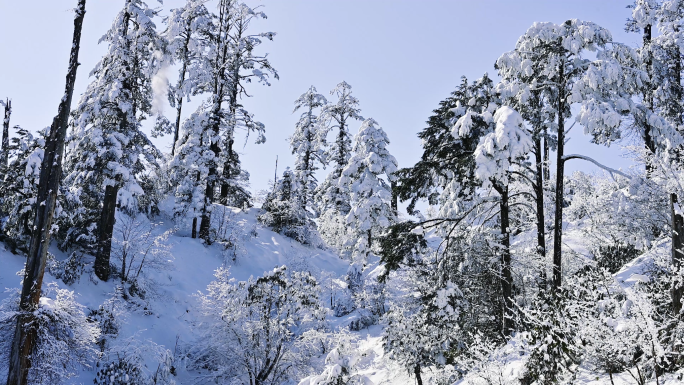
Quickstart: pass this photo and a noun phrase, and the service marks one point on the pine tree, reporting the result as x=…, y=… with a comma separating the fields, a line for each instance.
x=186, y=27
x=307, y=143
x=243, y=67
x=367, y=177
x=107, y=148
x=338, y=116
x=20, y=186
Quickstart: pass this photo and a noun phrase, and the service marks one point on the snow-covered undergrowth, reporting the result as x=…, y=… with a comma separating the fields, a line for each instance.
x=159, y=330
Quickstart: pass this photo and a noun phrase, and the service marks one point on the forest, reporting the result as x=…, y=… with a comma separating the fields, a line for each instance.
x=485, y=262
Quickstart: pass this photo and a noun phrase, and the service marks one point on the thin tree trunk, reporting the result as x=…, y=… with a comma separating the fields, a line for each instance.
x=560, y=170
x=539, y=199
x=395, y=198
x=181, y=81
x=51, y=168
x=648, y=101
x=416, y=371
x=5, y=132
x=506, y=276
x=675, y=210
x=547, y=172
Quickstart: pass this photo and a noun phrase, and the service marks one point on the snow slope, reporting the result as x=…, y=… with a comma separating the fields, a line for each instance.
x=169, y=314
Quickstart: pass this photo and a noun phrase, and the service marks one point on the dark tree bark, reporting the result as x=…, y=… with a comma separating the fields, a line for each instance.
x=105, y=231
x=539, y=200
x=547, y=172
x=51, y=168
x=5, y=132
x=675, y=209
x=506, y=276
x=416, y=371
x=395, y=197
x=560, y=171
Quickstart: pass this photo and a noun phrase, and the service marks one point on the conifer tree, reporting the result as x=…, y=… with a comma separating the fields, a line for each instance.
x=367, y=178
x=185, y=29
x=107, y=148
x=307, y=143
x=19, y=187
x=338, y=116
x=243, y=67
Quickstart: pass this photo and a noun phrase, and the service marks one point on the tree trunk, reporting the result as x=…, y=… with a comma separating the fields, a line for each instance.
x=105, y=231
x=675, y=210
x=648, y=101
x=547, y=172
x=539, y=200
x=51, y=168
x=395, y=198
x=506, y=276
x=560, y=170
x=416, y=371
x=5, y=132
x=181, y=81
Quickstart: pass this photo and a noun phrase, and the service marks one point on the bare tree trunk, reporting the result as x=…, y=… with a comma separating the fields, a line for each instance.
x=416, y=371
x=547, y=172
x=395, y=198
x=179, y=99
x=560, y=170
x=539, y=200
x=105, y=231
x=5, y=132
x=675, y=210
x=51, y=168
x=506, y=276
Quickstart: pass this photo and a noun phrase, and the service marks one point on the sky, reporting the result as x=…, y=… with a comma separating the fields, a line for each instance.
x=401, y=58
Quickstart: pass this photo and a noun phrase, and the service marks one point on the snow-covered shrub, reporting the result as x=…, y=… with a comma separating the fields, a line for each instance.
x=133, y=361
x=229, y=232
x=140, y=249
x=119, y=372
x=108, y=316
x=253, y=331
x=68, y=270
x=342, y=364
x=65, y=336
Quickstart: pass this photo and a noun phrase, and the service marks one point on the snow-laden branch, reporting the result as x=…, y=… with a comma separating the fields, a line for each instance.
x=612, y=171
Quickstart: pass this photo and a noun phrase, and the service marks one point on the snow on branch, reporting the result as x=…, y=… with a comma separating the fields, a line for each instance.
x=612, y=171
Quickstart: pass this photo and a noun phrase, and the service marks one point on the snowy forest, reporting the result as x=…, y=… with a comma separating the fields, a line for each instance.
x=485, y=262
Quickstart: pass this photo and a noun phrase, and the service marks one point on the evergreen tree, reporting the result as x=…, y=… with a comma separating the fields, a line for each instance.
x=338, y=116
x=186, y=27
x=307, y=144
x=367, y=177
x=107, y=150
x=7, y=104
x=284, y=212
x=20, y=186
x=243, y=67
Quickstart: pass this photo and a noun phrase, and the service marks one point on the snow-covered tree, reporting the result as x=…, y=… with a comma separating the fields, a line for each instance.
x=284, y=212
x=338, y=116
x=107, y=151
x=186, y=27
x=308, y=143
x=20, y=186
x=243, y=67
x=549, y=58
x=367, y=177
x=253, y=331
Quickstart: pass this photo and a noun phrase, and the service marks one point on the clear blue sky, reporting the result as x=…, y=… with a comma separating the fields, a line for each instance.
x=401, y=57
